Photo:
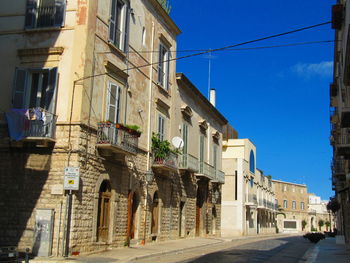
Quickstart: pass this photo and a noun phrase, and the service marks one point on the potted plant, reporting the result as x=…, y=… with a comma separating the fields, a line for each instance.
x=320, y=224
x=303, y=224
x=133, y=129
x=161, y=149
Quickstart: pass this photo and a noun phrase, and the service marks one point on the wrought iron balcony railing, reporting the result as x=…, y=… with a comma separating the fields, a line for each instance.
x=189, y=162
x=120, y=139
x=31, y=124
x=169, y=163
x=219, y=177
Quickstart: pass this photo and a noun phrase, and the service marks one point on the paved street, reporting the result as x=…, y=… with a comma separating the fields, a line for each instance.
x=280, y=249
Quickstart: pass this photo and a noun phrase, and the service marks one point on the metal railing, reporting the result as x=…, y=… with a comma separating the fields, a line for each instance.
x=170, y=161
x=189, y=162
x=338, y=166
x=40, y=124
x=252, y=198
x=220, y=176
x=46, y=16
x=211, y=172
x=344, y=138
x=108, y=133
x=33, y=123
x=206, y=170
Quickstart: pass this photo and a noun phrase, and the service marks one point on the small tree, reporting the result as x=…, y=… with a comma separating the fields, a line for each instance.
x=320, y=224
x=328, y=224
x=303, y=224
x=333, y=205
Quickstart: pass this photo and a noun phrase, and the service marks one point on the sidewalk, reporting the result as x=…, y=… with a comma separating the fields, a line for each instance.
x=327, y=251
x=130, y=254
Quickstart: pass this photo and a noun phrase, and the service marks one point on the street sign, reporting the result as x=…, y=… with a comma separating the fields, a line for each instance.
x=71, y=178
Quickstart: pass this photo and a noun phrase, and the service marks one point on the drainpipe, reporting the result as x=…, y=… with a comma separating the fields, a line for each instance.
x=149, y=129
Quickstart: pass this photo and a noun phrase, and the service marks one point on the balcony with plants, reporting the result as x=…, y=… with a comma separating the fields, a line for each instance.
x=164, y=157
x=117, y=138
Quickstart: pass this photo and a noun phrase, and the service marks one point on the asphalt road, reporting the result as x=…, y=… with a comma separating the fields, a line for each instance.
x=274, y=250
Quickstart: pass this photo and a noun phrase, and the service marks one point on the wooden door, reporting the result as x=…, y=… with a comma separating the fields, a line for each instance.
x=103, y=212
x=155, y=214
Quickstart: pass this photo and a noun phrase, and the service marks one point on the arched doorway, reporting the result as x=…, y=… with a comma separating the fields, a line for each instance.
x=155, y=215
x=133, y=204
x=103, y=217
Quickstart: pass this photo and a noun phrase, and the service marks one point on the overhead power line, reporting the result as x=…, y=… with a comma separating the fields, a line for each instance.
x=217, y=49
x=235, y=45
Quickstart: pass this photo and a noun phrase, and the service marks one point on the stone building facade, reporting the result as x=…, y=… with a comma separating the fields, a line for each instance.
x=87, y=84
x=248, y=196
x=340, y=116
x=292, y=200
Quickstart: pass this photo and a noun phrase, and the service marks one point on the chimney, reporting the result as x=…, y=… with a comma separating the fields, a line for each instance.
x=212, y=96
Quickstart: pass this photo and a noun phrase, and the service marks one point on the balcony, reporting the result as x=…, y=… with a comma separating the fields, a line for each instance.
x=206, y=170
x=219, y=177
x=45, y=14
x=251, y=200
x=345, y=117
x=343, y=144
x=31, y=125
x=168, y=163
x=338, y=167
x=189, y=162
x=112, y=139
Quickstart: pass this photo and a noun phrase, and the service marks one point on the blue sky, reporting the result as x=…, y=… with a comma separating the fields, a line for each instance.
x=278, y=97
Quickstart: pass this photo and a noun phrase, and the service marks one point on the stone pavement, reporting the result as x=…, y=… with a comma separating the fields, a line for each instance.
x=327, y=251
x=124, y=255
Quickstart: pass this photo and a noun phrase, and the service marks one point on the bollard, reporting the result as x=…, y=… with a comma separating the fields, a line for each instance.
x=27, y=256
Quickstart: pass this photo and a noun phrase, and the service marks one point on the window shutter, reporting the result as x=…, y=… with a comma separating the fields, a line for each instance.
x=113, y=103
x=126, y=29
x=112, y=21
x=60, y=9
x=50, y=97
x=160, y=70
x=167, y=69
x=31, y=11
x=19, y=89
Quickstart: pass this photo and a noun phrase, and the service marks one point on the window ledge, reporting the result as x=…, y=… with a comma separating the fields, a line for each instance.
x=42, y=29
x=119, y=52
x=163, y=90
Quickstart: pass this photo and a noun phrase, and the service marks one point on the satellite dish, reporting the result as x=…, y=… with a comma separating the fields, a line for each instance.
x=177, y=142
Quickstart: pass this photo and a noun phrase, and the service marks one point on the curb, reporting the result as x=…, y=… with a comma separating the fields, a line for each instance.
x=176, y=251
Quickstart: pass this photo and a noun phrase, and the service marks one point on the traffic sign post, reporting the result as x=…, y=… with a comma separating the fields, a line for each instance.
x=71, y=178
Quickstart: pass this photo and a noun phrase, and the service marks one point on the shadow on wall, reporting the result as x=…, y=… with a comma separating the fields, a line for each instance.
x=24, y=172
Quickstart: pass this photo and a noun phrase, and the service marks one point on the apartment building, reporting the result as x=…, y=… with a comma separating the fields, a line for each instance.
x=292, y=200
x=340, y=116
x=200, y=125
x=247, y=195
x=91, y=92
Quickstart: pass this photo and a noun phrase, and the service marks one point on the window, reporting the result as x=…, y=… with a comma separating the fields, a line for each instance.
x=201, y=153
x=293, y=189
x=163, y=66
x=251, y=182
x=35, y=88
x=294, y=205
x=302, y=205
x=252, y=162
x=301, y=191
x=161, y=127
x=284, y=188
x=45, y=13
x=118, y=22
x=215, y=156
x=113, y=103
x=285, y=204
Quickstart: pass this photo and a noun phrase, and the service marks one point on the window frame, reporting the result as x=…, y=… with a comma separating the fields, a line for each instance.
x=285, y=203
x=164, y=66
x=32, y=14
x=302, y=205
x=161, y=127
x=24, y=88
x=118, y=102
x=121, y=25
x=294, y=205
